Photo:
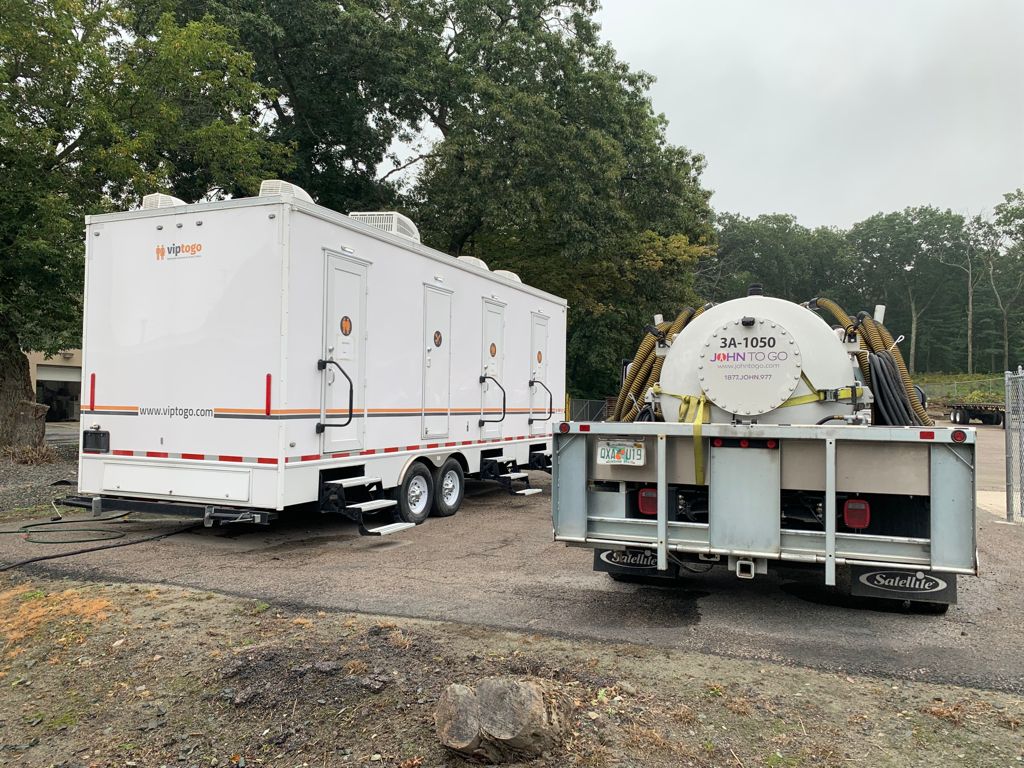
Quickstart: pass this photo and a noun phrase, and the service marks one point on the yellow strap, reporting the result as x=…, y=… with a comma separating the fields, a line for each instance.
x=698, y=444
x=818, y=395
x=691, y=410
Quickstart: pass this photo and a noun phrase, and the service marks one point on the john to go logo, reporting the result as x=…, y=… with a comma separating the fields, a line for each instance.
x=178, y=251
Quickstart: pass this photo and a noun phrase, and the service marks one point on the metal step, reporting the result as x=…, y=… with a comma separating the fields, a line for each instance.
x=499, y=459
x=514, y=475
x=372, y=506
x=386, y=530
x=527, y=491
x=352, y=482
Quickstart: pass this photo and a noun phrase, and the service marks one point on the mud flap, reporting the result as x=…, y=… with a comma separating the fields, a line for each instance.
x=898, y=584
x=632, y=562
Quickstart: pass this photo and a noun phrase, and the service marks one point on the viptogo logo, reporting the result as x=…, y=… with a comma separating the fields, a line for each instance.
x=178, y=251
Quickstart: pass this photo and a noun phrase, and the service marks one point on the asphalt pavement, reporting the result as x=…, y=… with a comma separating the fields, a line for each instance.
x=495, y=564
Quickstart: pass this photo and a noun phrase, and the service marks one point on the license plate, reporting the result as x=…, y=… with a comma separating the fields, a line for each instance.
x=621, y=454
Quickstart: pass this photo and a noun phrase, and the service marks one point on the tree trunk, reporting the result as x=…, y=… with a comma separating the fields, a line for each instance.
x=912, y=362
x=1006, y=341
x=502, y=719
x=22, y=420
x=970, y=321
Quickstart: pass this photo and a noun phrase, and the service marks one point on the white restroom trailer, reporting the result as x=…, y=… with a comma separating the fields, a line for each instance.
x=248, y=356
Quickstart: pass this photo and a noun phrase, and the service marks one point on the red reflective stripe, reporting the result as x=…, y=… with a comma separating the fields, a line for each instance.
x=267, y=410
x=156, y=454
x=432, y=445
x=367, y=453
x=92, y=391
x=411, y=447
x=229, y=458
x=390, y=450
x=199, y=456
x=449, y=445
x=339, y=455
x=120, y=452
x=267, y=460
x=309, y=457
x=467, y=442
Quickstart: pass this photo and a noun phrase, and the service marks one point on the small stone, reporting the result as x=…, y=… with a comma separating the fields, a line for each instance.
x=626, y=687
x=375, y=758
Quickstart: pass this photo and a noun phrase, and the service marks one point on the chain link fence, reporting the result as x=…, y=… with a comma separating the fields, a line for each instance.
x=588, y=410
x=1014, y=425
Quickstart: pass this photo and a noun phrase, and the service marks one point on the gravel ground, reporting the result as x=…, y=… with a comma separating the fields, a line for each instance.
x=24, y=488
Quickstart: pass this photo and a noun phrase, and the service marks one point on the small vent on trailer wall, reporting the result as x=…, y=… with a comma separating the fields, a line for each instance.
x=389, y=221
x=271, y=187
x=509, y=274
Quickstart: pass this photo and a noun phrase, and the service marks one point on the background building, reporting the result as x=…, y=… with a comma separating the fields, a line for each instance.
x=57, y=382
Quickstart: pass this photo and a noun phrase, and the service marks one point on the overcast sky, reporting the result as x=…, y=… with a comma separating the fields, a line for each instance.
x=836, y=109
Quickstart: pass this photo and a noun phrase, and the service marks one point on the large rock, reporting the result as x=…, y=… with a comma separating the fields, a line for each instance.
x=501, y=719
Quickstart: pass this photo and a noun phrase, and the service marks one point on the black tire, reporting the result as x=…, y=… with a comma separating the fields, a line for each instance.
x=415, y=495
x=449, y=488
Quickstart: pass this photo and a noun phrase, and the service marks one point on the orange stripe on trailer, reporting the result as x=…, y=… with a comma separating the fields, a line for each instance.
x=115, y=407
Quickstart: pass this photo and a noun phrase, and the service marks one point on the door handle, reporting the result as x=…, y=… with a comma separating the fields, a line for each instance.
x=321, y=365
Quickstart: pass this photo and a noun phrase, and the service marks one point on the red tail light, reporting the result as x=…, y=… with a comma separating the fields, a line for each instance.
x=958, y=435
x=563, y=427
x=856, y=513
x=647, y=502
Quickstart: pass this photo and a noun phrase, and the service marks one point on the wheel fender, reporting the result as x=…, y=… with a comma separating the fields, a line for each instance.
x=423, y=458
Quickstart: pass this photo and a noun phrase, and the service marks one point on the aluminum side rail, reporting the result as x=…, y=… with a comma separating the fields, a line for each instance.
x=589, y=501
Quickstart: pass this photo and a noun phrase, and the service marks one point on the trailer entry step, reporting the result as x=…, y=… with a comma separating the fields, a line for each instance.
x=353, y=482
x=386, y=530
x=499, y=459
x=528, y=491
x=372, y=506
x=514, y=475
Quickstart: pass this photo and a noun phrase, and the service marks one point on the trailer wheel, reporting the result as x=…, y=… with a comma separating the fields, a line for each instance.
x=415, y=496
x=449, y=488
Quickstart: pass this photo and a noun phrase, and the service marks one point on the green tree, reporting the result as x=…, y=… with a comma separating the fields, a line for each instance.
x=92, y=118
x=789, y=260
x=1004, y=260
x=902, y=255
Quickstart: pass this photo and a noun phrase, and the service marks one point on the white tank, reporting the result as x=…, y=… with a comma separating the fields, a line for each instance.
x=751, y=357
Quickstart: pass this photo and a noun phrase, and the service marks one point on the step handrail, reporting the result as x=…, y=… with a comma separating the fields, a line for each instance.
x=484, y=377
x=321, y=365
x=551, y=402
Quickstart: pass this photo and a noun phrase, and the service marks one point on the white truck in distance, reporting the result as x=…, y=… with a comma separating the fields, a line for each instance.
x=764, y=437
x=244, y=357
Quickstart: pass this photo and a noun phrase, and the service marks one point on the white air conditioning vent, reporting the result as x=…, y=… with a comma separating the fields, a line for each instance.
x=509, y=274
x=160, y=200
x=473, y=261
x=272, y=187
x=389, y=221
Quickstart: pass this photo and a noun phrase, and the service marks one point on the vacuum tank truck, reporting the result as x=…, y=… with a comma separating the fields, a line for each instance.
x=244, y=358
x=754, y=433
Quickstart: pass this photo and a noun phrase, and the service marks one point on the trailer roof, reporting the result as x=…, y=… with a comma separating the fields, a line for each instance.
x=328, y=215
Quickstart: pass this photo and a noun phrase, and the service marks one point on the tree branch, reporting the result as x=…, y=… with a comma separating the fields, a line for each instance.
x=403, y=166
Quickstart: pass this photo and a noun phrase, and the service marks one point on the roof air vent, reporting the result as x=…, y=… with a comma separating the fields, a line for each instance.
x=160, y=200
x=509, y=274
x=272, y=187
x=473, y=261
x=389, y=221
